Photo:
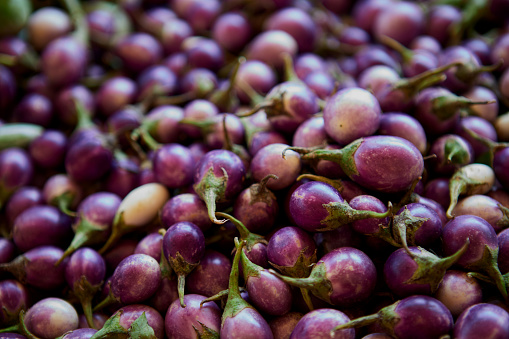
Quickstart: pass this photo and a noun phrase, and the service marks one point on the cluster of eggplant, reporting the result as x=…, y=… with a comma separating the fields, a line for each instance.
x=254, y=169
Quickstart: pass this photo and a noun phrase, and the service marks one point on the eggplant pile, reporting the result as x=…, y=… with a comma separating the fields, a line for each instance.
x=254, y=169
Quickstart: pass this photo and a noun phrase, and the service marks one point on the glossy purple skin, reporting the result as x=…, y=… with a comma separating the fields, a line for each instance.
x=441, y=19
x=48, y=150
x=41, y=225
x=260, y=76
x=167, y=126
x=24, y=198
x=80, y=333
x=204, y=53
x=400, y=14
x=34, y=108
x=181, y=322
x=13, y=299
x=269, y=294
x=16, y=47
x=299, y=103
x=477, y=230
x=138, y=51
x=198, y=110
x=64, y=61
x=7, y=87
x=500, y=166
x=101, y=25
x=99, y=320
x=368, y=203
x=174, y=32
x=430, y=231
x=232, y=31
x=503, y=251
x=426, y=43
x=173, y=165
x=340, y=237
x=123, y=177
x=488, y=111
x=296, y=22
x=470, y=63
x=269, y=160
x=387, y=164
x=135, y=279
x=51, y=318
x=398, y=269
x=480, y=126
x=350, y=114
x=435, y=318
x=258, y=216
x=234, y=128
x=248, y=324
x=164, y=296
x=320, y=83
x=261, y=139
x=420, y=62
x=150, y=245
x=404, y=126
x=99, y=208
x=482, y=320
x=269, y=47
x=219, y=160
x=201, y=15
x=500, y=51
x=154, y=318
x=65, y=103
x=123, y=121
x=310, y=133
x=311, y=196
x=119, y=252
x=365, y=12
x=283, y=326
x=157, y=79
x=196, y=79
x=154, y=19
x=424, y=114
x=41, y=271
x=352, y=275
x=88, y=160
x=7, y=250
x=186, y=239
x=114, y=94
x=438, y=190
x=16, y=169
x=482, y=206
x=286, y=244
x=458, y=291
x=88, y=263
x=319, y=323
x=211, y=276
x=185, y=207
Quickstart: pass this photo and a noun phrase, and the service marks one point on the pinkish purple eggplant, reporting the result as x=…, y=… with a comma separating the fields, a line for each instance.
x=211, y=275
x=218, y=178
x=16, y=170
x=13, y=299
x=135, y=279
x=183, y=247
x=458, y=291
x=185, y=207
x=482, y=320
x=196, y=320
x=320, y=323
x=49, y=318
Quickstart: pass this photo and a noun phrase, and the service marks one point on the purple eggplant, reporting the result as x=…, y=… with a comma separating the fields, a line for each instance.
x=62, y=191
x=398, y=319
x=16, y=170
x=211, y=275
x=218, y=178
x=150, y=245
x=22, y=199
x=80, y=333
x=458, y=291
x=320, y=323
x=342, y=277
x=49, y=318
x=382, y=163
x=135, y=279
x=485, y=207
x=185, y=207
x=13, y=299
x=482, y=320
x=196, y=320
x=85, y=273
x=183, y=247
x=282, y=326
x=133, y=321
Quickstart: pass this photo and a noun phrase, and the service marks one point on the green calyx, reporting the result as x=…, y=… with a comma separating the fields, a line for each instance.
x=456, y=153
x=140, y=329
x=446, y=106
x=341, y=214
x=260, y=193
x=212, y=189
x=235, y=304
x=85, y=293
x=459, y=184
x=206, y=332
x=430, y=268
x=336, y=183
x=246, y=236
x=302, y=267
x=404, y=227
x=316, y=282
x=118, y=229
x=182, y=268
